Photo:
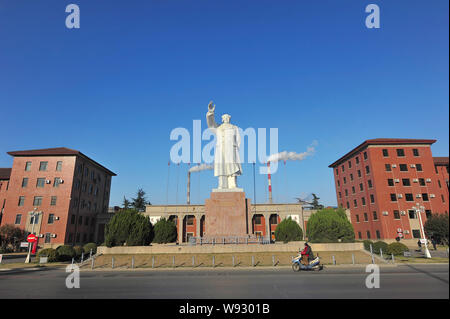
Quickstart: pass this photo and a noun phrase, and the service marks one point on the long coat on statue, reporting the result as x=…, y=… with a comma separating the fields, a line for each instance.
x=228, y=141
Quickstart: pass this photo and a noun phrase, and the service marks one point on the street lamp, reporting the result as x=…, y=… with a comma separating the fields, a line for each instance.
x=420, y=209
x=33, y=214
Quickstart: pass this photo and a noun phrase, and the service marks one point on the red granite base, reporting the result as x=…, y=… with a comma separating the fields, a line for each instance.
x=226, y=215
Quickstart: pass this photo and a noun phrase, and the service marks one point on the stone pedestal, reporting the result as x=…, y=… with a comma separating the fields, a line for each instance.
x=226, y=215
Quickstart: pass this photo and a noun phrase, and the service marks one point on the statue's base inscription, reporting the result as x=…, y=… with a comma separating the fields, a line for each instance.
x=226, y=214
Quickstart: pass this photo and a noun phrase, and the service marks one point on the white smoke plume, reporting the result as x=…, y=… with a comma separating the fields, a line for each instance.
x=201, y=167
x=293, y=156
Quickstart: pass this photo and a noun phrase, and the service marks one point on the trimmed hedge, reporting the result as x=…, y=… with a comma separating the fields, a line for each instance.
x=288, y=230
x=397, y=248
x=380, y=245
x=65, y=253
x=165, y=231
x=87, y=248
x=330, y=225
x=48, y=252
x=78, y=251
x=367, y=244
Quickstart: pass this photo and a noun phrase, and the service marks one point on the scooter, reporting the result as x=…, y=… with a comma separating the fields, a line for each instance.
x=313, y=264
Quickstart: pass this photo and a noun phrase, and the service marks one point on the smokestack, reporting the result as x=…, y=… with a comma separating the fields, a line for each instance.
x=189, y=188
x=270, y=182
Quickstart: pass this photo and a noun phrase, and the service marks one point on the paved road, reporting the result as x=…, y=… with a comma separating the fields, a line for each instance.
x=418, y=281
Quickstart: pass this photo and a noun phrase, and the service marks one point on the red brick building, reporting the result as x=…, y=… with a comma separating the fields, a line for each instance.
x=382, y=179
x=66, y=188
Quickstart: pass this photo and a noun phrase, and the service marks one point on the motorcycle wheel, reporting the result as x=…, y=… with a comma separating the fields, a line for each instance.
x=295, y=267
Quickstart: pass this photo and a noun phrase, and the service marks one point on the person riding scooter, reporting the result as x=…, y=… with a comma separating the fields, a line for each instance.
x=307, y=254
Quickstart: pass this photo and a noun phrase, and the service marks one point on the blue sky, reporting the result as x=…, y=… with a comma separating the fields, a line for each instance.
x=115, y=88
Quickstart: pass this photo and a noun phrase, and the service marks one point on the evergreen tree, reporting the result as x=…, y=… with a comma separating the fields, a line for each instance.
x=165, y=232
x=330, y=226
x=140, y=201
x=128, y=227
x=126, y=203
x=437, y=226
x=288, y=230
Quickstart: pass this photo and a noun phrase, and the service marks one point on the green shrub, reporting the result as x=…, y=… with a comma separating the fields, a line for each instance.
x=380, y=245
x=128, y=227
x=397, y=248
x=65, y=253
x=288, y=230
x=78, y=250
x=165, y=232
x=48, y=252
x=367, y=244
x=87, y=248
x=330, y=226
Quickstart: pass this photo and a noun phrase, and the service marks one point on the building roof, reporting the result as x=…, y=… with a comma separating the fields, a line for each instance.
x=381, y=141
x=440, y=161
x=58, y=151
x=5, y=173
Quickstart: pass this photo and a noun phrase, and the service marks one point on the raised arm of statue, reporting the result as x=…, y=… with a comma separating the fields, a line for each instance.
x=210, y=116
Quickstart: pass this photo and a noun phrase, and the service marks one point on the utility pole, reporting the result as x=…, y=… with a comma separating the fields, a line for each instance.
x=420, y=209
x=33, y=216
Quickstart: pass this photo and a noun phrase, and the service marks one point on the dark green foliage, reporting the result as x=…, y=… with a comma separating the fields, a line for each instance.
x=140, y=201
x=87, y=248
x=397, y=248
x=10, y=237
x=128, y=227
x=48, y=252
x=288, y=230
x=330, y=225
x=380, y=244
x=141, y=232
x=367, y=244
x=126, y=203
x=78, y=250
x=65, y=253
x=165, y=232
x=437, y=226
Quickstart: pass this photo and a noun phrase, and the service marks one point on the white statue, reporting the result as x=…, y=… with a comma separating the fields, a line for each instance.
x=227, y=164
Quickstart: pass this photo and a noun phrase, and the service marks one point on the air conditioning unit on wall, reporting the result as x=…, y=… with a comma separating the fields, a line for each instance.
x=418, y=196
x=53, y=235
x=394, y=165
x=432, y=196
x=41, y=236
x=428, y=180
x=403, y=213
x=47, y=181
x=400, y=195
x=56, y=218
x=412, y=165
x=415, y=180
x=406, y=231
x=385, y=213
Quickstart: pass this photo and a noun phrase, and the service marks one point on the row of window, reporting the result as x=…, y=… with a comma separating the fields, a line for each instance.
x=37, y=201
x=83, y=236
x=409, y=197
x=84, y=187
x=43, y=166
x=361, y=188
x=87, y=220
x=41, y=181
x=368, y=234
x=88, y=172
x=85, y=205
x=403, y=167
x=400, y=153
x=34, y=219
